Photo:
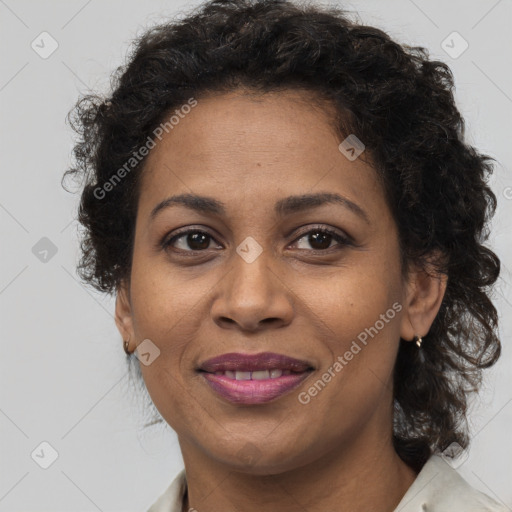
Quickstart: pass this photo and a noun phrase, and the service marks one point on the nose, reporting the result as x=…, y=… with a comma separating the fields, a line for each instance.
x=252, y=297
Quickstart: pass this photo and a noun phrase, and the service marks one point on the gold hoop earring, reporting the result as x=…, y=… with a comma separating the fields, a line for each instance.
x=418, y=340
x=126, y=344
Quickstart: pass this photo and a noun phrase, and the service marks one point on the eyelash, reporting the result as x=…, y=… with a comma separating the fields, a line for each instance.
x=342, y=240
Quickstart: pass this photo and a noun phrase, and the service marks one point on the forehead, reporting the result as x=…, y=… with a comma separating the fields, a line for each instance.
x=255, y=145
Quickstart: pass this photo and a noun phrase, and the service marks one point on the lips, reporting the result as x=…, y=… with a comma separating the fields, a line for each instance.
x=250, y=379
x=264, y=361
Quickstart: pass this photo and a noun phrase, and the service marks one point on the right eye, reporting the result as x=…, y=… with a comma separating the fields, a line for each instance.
x=189, y=241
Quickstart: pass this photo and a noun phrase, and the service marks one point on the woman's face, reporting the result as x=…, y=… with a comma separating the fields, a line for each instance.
x=263, y=279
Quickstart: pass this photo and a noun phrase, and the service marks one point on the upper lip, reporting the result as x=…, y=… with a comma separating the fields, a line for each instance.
x=250, y=362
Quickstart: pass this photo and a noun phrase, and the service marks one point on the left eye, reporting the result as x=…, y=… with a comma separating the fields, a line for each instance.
x=321, y=239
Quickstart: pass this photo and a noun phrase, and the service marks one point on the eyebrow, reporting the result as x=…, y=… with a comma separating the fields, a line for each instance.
x=283, y=207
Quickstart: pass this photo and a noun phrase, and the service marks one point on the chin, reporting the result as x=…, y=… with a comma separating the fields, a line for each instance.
x=255, y=460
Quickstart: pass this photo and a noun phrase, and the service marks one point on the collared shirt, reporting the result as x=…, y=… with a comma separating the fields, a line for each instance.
x=437, y=488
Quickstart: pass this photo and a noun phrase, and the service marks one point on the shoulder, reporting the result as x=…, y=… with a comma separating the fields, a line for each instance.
x=440, y=488
x=172, y=498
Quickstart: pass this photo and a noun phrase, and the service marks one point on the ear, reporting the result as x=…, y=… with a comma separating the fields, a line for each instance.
x=123, y=313
x=425, y=292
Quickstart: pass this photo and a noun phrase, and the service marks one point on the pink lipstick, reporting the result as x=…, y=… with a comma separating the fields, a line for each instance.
x=254, y=378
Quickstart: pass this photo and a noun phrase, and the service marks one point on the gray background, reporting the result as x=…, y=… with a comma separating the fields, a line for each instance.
x=63, y=371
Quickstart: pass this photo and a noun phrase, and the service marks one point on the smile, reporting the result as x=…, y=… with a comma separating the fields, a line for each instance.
x=253, y=378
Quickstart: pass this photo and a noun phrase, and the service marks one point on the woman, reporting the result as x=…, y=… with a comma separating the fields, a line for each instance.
x=284, y=205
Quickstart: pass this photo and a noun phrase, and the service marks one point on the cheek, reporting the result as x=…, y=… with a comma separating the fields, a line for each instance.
x=350, y=300
x=163, y=299
x=357, y=323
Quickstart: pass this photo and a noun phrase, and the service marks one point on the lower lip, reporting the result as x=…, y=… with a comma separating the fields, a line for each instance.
x=253, y=391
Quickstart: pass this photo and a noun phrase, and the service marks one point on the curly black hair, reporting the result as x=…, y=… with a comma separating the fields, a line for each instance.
x=393, y=97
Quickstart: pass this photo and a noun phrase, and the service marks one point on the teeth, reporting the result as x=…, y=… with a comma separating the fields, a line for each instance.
x=255, y=375
x=260, y=375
